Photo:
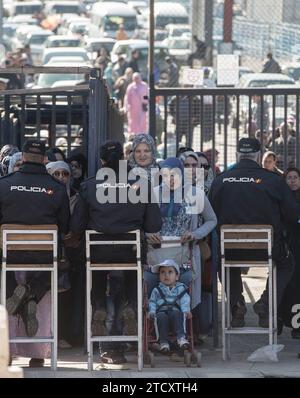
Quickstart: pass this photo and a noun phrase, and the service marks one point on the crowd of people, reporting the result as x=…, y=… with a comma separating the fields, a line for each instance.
x=74, y=207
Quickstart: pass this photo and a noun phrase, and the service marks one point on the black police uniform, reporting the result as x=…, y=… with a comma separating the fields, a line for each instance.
x=249, y=194
x=114, y=220
x=31, y=196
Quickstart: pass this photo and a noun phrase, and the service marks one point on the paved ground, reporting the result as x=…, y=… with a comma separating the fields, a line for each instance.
x=72, y=363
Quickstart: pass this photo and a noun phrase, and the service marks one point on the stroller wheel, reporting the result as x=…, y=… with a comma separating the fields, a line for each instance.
x=187, y=358
x=151, y=358
x=197, y=358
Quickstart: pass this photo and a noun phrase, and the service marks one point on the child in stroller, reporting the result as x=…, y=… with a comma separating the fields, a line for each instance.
x=169, y=305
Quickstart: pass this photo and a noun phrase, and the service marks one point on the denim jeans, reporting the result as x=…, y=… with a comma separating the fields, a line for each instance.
x=170, y=320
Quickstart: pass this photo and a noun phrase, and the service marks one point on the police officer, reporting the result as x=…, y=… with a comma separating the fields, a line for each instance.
x=114, y=219
x=249, y=194
x=31, y=196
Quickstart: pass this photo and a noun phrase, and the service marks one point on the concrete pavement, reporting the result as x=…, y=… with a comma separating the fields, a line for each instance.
x=73, y=363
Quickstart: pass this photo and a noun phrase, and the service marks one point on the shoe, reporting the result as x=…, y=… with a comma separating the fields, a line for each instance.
x=164, y=348
x=14, y=302
x=129, y=320
x=29, y=318
x=183, y=343
x=295, y=333
x=238, y=313
x=98, y=323
x=36, y=362
x=261, y=310
x=63, y=344
x=113, y=358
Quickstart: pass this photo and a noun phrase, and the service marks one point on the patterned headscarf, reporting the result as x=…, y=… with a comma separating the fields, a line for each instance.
x=13, y=160
x=143, y=139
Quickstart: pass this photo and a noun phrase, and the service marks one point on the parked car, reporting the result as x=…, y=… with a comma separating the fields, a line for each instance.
x=44, y=80
x=179, y=48
x=93, y=44
x=263, y=80
x=64, y=52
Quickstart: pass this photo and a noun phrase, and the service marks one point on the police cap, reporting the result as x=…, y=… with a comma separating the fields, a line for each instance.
x=36, y=147
x=248, y=145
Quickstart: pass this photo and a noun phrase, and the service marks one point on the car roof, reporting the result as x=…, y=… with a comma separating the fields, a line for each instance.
x=114, y=8
x=100, y=40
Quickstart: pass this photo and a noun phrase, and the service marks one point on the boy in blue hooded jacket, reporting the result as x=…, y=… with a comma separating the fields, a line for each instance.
x=169, y=303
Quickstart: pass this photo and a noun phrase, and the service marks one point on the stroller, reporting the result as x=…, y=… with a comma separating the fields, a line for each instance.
x=170, y=248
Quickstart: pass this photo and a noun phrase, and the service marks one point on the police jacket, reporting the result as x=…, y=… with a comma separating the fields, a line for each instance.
x=113, y=218
x=31, y=196
x=249, y=194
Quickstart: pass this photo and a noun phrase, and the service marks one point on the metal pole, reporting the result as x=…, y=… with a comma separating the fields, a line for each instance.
x=1, y=21
x=209, y=5
x=228, y=13
x=152, y=121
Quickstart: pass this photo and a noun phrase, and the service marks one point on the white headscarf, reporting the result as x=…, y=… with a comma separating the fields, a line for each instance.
x=52, y=167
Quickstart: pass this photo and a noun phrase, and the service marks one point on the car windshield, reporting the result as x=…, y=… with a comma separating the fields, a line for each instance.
x=66, y=9
x=97, y=46
x=294, y=73
x=113, y=23
x=27, y=9
x=179, y=32
x=64, y=43
x=162, y=21
x=180, y=44
x=48, y=79
x=9, y=31
x=38, y=39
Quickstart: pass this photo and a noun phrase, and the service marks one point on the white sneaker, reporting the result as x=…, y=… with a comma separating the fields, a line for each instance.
x=164, y=348
x=183, y=343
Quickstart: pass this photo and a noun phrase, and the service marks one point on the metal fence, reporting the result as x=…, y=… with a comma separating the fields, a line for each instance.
x=215, y=119
x=82, y=116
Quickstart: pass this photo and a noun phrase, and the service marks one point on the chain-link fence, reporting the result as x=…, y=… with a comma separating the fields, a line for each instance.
x=215, y=122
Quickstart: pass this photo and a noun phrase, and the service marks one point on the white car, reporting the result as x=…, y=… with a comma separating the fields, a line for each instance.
x=263, y=80
x=177, y=30
x=93, y=45
x=45, y=80
x=64, y=52
x=179, y=48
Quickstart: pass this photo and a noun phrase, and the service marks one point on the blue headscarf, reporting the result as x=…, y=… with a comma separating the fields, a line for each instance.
x=171, y=209
x=172, y=163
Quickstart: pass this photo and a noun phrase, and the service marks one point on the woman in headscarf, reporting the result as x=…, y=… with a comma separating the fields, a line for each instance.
x=60, y=170
x=78, y=164
x=15, y=162
x=203, y=162
x=143, y=154
x=178, y=219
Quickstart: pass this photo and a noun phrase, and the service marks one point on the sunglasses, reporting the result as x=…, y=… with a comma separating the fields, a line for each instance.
x=61, y=173
x=204, y=166
x=191, y=165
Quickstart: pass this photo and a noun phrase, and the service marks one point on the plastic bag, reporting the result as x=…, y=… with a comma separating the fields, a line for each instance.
x=267, y=353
